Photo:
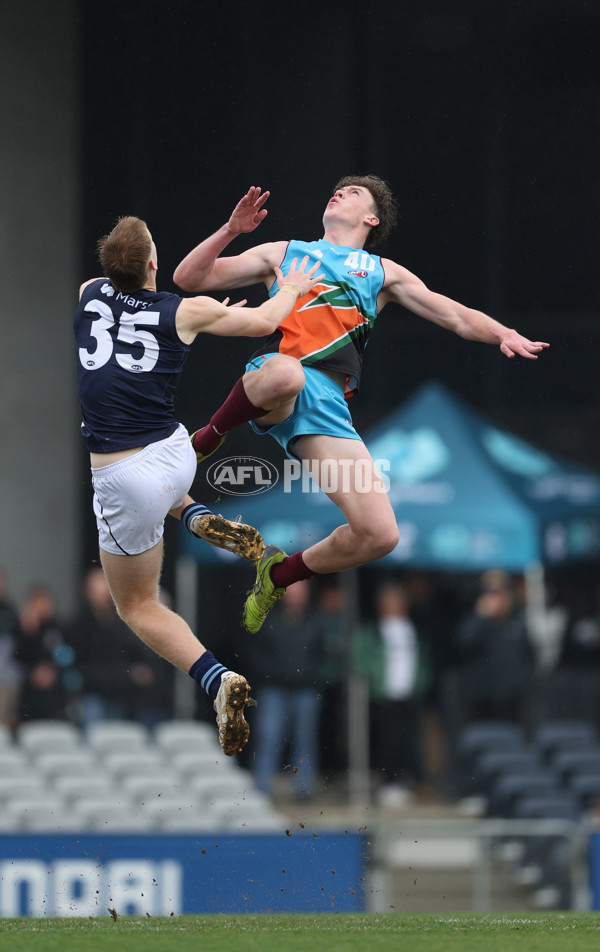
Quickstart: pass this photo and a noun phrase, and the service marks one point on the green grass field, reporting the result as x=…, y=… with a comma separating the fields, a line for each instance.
x=335, y=933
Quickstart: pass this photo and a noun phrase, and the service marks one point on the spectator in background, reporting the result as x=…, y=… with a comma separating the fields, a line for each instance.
x=289, y=655
x=120, y=677
x=497, y=657
x=10, y=672
x=580, y=648
x=333, y=676
x=389, y=651
x=46, y=659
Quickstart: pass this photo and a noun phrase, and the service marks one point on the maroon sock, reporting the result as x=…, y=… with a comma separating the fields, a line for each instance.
x=237, y=409
x=292, y=569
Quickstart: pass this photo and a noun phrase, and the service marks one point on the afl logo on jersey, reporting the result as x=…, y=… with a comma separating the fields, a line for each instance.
x=360, y=274
x=108, y=290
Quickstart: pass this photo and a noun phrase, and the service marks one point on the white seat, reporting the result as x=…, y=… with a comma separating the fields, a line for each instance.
x=114, y=736
x=254, y=821
x=143, y=789
x=5, y=737
x=203, y=764
x=74, y=763
x=119, y=803
x=35, y=812
x=14, y=762
x=161, y=813
x=112, y=818
x=92, y=787
x=47, y=736
x=134, y=763
x=185, y=822
x=31, y=785
x=230, y=788
x=176, y=737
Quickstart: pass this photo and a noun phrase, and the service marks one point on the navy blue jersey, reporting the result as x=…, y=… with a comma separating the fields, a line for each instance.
x=129, y=357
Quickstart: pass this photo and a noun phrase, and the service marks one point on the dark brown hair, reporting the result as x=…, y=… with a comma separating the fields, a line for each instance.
x=386, y=207
x=124, y=254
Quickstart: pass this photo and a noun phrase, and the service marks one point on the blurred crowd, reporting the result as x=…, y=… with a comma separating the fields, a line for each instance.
x=431, y=652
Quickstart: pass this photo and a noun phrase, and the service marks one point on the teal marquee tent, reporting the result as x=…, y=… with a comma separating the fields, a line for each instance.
x=467, y=495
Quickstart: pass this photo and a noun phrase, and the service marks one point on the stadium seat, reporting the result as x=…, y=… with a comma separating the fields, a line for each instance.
x=136, y=763
x=553, y=736
x=117, y=736
x=31, y=785
x=492, y=764
x=48, y=736
x=557, y=806
x=111, y=818
x=14, y=762
x=569, y=763
x=176, y=737
x=586, y=787
x=74, y=763
x=93, y=787
x=143, y=789
x=202, y=764
x=253, y=820
x=39, y=812
x=181, y=812
x=195, y=823
x=234, y=787
x=508, y=788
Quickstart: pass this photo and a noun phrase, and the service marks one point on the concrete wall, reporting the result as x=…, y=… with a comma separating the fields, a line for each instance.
x=39, y=174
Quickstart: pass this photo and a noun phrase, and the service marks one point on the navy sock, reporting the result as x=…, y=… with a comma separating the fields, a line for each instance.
x=194, y=509
x=207, y=672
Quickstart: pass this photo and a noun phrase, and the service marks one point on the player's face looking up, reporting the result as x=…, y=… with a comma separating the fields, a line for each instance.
x=352, y=202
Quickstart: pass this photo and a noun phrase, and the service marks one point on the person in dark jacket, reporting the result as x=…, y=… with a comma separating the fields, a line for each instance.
x=289, y=657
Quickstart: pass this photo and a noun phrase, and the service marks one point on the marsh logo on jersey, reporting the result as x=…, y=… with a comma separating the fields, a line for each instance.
x=108, y=290
x=242, y=476
x=360, y=274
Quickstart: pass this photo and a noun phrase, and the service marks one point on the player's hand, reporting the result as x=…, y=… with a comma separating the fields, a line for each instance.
x=514, y=344
x=241, y=303
x=298, y=277
x=249, y=212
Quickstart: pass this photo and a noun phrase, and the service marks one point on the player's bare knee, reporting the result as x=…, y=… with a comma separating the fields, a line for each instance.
x=381, y=541
x=284, y=377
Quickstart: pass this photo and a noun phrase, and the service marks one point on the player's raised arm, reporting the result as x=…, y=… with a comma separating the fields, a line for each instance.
x=405, y=288
x=205, y=315
x=203, y=270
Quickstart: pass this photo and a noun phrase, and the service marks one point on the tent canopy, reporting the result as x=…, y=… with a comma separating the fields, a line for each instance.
x=467, y=495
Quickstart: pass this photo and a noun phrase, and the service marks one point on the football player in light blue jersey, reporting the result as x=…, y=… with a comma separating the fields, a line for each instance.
x=294, y=386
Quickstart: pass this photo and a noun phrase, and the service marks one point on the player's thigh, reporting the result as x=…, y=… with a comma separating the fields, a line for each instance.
x=347, y=473
x=133, y=578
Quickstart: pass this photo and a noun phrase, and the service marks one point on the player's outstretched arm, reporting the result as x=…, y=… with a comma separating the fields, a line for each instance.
x=203, y=270
x=205, y=315
x=405, y=288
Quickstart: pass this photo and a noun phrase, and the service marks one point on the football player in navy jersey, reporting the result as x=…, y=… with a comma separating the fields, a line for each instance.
x=131, y=344
x=295, y=386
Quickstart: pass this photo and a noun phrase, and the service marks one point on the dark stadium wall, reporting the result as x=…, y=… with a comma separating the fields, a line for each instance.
x=485, y=118
x=39, y=196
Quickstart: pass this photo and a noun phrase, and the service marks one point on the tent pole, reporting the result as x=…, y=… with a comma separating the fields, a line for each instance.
x=536, y=607
x=357, y=699
x=186, y=602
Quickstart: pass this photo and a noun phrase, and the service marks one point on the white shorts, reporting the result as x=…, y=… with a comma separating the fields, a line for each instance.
x=133, y=497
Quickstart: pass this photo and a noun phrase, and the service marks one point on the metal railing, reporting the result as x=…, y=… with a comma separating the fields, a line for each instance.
x=469, y=845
